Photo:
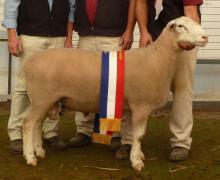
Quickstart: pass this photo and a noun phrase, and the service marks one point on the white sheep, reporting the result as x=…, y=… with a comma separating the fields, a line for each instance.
x=73, y=76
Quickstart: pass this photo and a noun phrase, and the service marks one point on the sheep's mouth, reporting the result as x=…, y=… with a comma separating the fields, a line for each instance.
x=201, y=43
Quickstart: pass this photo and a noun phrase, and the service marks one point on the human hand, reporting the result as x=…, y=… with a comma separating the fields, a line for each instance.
x=14, y=43
x=126, y=40
x=68, y=43
x=145, y=39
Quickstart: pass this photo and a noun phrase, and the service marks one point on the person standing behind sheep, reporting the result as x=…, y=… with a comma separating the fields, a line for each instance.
x=39, y=25
x=181, y=120
x=104, y=25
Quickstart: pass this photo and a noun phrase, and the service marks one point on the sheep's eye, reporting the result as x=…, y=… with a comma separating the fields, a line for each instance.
x=180, y=26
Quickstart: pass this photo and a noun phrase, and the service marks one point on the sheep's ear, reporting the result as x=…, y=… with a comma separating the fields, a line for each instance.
x=172, y=25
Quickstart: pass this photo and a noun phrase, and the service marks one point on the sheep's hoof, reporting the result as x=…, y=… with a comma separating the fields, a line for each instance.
x=41, y=153
x=142, y=156
x=139, y=166
x=32, y=161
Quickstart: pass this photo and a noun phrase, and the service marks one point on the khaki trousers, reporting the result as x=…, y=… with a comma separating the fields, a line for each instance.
x=20, y=101
x=85, y=125
x=181, y=120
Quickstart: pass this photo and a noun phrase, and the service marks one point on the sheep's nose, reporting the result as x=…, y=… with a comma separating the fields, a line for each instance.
x=205, y=38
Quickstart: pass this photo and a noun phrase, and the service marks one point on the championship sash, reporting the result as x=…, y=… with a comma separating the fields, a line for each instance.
x=111, y=97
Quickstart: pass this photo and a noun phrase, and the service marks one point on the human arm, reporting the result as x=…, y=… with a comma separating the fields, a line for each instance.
x=191, y=9
x=69, y=35
x=10, y=22
x=142, y=20
x=70, y=25
x=127, y=37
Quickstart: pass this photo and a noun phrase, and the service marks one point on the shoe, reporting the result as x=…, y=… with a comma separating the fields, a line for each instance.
x=179, y=154
x=56, y=143
x=79, y=140
x=123, y=153
x=115, y=144
x=16, y=147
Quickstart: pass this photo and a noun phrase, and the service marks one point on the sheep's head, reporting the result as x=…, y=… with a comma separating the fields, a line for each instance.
x=189, y=33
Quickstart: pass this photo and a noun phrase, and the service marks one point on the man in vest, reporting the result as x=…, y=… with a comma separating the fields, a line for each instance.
x=181, y=120
x=104, y=25
x=34, y=26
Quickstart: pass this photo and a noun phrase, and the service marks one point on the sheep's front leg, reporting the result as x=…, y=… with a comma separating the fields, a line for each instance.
x=139, y=123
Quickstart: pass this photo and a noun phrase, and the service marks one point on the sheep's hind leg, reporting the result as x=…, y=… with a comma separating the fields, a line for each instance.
x=53, y=113
x=34, y=116
x=38, y=148
x=139, y=123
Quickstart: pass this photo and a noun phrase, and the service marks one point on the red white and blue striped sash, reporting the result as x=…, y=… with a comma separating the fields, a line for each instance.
x=111, y=93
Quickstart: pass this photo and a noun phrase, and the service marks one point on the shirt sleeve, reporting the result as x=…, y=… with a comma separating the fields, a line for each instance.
x=192, y=2
x=72, y=10
x=10, y=13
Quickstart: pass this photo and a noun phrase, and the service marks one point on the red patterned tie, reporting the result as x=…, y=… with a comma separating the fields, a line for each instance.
x=91, y=8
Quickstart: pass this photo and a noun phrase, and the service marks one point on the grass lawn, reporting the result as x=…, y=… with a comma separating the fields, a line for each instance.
x=82, y=163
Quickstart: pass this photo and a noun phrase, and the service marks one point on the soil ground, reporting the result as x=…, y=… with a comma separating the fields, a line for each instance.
x=85, y=163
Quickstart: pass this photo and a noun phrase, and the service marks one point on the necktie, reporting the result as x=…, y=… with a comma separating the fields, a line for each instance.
x=91, y=9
